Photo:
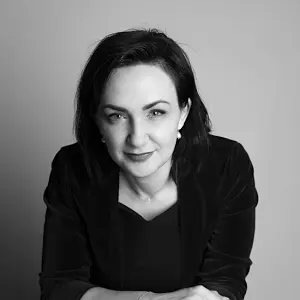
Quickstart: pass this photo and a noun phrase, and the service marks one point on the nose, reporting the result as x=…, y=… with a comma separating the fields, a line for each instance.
x=137, y=136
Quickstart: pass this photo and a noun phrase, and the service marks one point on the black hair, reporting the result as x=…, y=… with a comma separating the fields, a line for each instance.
x=128, y=48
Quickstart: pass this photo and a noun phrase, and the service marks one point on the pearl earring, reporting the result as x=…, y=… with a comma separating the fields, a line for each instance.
x=102, y=140
x=178, y=135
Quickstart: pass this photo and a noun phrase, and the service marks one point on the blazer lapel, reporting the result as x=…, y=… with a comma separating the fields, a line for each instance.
x=198, y=208
x=104, y=228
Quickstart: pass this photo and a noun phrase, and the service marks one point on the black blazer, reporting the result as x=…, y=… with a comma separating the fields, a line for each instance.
x=217, y=223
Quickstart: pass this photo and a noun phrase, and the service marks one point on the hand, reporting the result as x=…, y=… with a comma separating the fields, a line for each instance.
x=177, y=295
x=199, y=292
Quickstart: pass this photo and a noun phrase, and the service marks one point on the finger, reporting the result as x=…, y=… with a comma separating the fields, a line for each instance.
x=206, y=293
x=195, y=296
x=180, y=294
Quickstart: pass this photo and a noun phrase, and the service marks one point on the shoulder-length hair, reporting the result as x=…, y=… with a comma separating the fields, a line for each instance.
x=128, y=48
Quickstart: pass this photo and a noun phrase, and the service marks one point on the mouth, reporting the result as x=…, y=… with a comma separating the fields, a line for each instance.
x=139, y=157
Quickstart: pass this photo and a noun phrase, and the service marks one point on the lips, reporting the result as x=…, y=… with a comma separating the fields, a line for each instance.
x=144, y=153
x=139, y=157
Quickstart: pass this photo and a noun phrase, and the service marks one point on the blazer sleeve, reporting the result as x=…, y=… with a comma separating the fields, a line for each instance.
x=66, y=258
x=227, y=258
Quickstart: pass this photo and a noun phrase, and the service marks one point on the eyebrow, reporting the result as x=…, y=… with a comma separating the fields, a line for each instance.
x=119, y=108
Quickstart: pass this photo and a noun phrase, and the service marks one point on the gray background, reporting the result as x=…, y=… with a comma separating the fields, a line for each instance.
x=246, y=59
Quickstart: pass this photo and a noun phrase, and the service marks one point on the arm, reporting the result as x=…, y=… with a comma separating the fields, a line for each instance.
x=66, y=257
x=99, y=293
x=227, y=257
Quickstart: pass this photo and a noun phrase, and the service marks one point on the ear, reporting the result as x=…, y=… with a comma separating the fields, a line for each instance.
x=184, y=113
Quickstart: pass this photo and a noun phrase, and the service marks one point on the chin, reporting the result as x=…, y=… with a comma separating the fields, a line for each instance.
x=139, y=171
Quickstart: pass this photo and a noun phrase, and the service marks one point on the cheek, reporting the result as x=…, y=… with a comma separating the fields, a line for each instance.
x=166, y=136
x=115, y=138
x=114, y=141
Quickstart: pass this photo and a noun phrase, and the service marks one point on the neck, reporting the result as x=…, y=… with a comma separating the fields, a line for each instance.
x=145, y=187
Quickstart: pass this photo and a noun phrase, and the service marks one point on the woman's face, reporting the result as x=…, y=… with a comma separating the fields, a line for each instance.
x=139, y=113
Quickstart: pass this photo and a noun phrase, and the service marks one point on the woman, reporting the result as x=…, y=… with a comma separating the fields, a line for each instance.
x=147, y=204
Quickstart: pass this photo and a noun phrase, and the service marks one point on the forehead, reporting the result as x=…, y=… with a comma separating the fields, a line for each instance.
x=139, y=85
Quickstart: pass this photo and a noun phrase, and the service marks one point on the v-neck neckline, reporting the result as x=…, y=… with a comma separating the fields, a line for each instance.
x=142, y=217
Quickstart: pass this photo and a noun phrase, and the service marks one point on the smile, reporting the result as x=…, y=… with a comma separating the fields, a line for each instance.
x=139, y=157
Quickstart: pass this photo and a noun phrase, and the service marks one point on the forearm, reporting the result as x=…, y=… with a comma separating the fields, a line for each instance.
x=99, y=293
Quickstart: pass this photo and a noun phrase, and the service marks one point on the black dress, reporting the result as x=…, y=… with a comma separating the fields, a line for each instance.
x=151, y=249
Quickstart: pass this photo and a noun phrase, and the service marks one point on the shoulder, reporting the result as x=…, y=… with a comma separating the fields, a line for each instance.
x=230, y=164
x=228, y=155
x=223, y=147
x=220, y=146
x=68, y=156
x=72, y=151
x=68, y=162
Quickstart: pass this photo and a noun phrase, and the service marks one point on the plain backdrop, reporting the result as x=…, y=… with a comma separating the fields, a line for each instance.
x=246, y=59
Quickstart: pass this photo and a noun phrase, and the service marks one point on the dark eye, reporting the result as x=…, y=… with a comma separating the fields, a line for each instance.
x=156, y=113
x=114, y=117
